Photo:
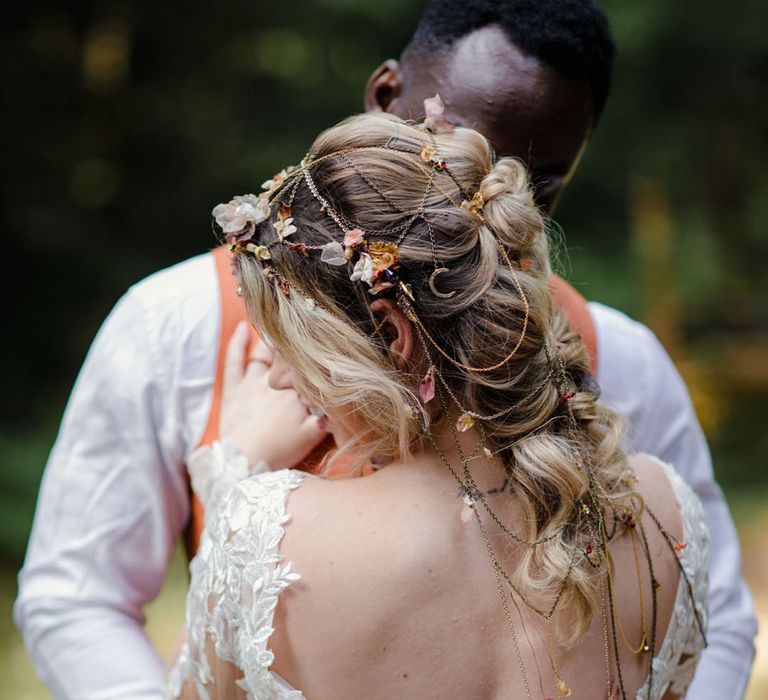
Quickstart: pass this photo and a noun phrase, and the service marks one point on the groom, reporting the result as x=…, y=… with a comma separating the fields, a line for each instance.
x=533, y=77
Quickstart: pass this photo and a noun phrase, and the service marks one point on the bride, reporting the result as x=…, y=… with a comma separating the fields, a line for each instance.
x=501, y=545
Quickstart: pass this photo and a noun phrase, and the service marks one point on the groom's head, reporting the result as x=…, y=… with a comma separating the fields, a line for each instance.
x=531, y=75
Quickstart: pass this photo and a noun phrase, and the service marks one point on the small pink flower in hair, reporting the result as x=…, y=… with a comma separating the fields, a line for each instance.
x=435, y=120
x=427, y=386
x=352, y=239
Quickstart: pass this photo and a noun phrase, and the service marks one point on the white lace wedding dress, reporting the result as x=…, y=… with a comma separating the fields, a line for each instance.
x=238, y=574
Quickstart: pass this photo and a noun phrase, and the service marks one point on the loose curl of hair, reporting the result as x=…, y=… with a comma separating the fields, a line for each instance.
x=324, y=328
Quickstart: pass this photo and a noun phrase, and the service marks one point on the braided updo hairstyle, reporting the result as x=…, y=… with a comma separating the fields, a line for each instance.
x=555, y=451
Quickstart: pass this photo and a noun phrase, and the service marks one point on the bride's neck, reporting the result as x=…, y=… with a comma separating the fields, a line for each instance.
x=450, y=448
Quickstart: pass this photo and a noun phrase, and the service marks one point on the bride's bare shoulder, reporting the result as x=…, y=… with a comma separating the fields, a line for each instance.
x=657, y=490
x=352, y=542
x=343, y=519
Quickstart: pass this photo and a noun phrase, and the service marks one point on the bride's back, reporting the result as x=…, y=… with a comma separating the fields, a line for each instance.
x=429, y=325
x=398, y=597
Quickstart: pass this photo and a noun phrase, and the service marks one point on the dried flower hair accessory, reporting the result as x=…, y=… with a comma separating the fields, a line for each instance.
x=240, y=216
x=363, y=270
x=284, y=224
x=474, y=205
x=427, y=386
x=334, y=254
x=430, y=156
x=276, y=181
x=353, y=239
x=260, y=252
x=435, y=120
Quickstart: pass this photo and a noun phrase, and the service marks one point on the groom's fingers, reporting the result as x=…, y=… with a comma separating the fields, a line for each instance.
x=260, y=360
x=311, y=434
x=234, y=362
x=261, y=353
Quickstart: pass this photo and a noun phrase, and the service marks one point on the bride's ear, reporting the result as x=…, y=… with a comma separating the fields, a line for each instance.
x=396, y=328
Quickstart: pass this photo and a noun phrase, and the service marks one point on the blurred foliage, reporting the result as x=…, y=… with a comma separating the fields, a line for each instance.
x=687, y=113
x=124, y=121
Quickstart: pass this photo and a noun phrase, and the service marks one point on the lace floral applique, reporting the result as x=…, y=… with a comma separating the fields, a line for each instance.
x=236, y=578
x=675, y=663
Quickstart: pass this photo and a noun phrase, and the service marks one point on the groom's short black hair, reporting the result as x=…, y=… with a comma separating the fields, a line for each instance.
x=571, y=36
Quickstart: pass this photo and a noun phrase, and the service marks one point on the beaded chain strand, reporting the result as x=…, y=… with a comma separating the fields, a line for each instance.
x=470, y=487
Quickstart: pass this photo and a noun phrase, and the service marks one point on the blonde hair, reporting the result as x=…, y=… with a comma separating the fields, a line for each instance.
x=556, y=451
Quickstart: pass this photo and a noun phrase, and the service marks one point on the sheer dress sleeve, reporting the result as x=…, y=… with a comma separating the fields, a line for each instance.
x=674, y=665
x=236, y=578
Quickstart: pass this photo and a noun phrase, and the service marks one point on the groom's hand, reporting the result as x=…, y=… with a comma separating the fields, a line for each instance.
x=266, y=424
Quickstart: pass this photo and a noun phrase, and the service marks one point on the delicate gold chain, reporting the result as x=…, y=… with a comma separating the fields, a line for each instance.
x=654, y=602
x=372, y=184
x=549, y=613
x=606, y=646
x=612, y=609
x=643, y=645
x=479, y=416
x=498, y=571
x=669, y=540
x=471, y=487
x=311, y=161
x=467, y=368
x=497, y=568
x=561, y=689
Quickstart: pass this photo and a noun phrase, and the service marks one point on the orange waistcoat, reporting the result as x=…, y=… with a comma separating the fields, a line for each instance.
x=233, y=311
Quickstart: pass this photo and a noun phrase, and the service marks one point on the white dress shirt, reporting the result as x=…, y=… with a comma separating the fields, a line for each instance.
x=113, y=500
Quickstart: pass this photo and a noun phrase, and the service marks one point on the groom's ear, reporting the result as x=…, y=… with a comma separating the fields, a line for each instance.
x=384, y=87
x=396, y=329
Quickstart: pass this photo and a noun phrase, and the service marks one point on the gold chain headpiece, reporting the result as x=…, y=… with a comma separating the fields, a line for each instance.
x=374, y=262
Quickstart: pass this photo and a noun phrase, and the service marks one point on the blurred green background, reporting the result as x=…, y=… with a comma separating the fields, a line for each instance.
x=124, y=122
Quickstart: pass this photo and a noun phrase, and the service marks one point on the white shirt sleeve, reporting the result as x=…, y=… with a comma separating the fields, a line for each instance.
x=114, y=497
x=637, y=376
